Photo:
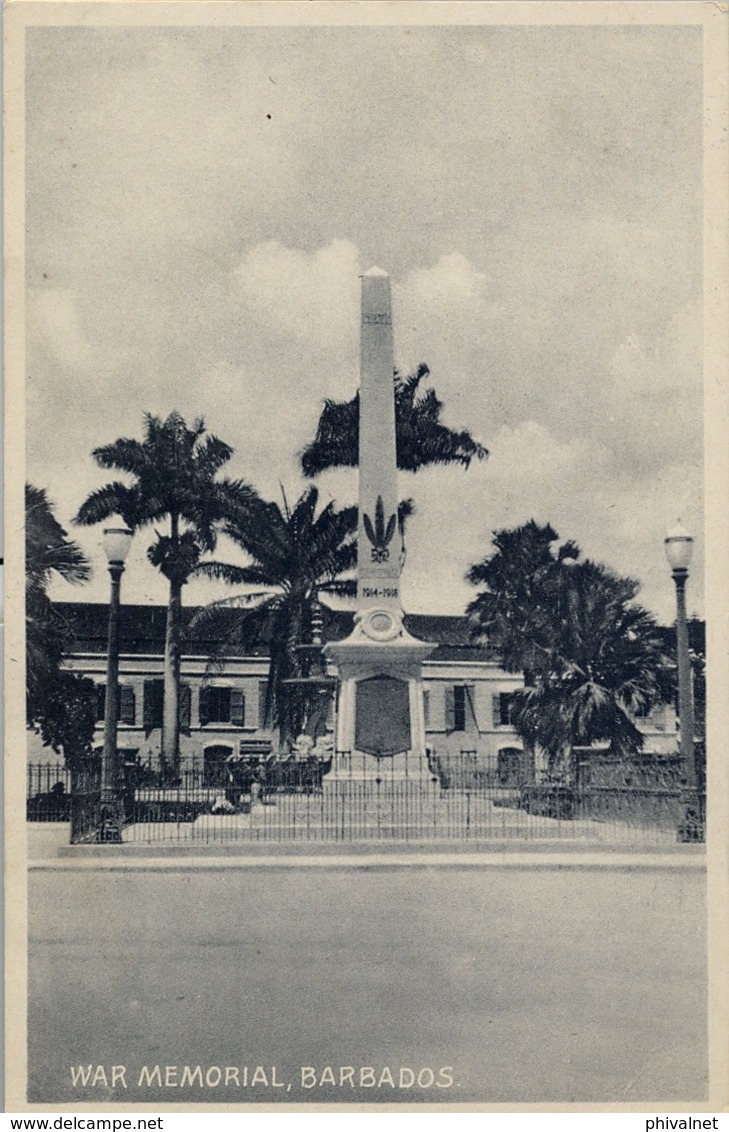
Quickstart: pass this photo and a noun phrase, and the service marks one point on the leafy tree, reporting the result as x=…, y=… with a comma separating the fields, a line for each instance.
x=515, y=611
x=174, y=479
x=593, y=658
x=68, y=721
x=421, y=437
x=59, y=704
x=607, y=665
x=296, y=556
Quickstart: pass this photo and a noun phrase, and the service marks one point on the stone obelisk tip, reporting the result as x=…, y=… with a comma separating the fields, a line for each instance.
x=376, y=306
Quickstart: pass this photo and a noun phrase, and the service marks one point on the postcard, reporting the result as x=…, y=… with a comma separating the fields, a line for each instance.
x=366, y=483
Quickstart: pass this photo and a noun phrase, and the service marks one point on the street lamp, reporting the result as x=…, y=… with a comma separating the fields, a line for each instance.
x=116, y=542
x=679, y=548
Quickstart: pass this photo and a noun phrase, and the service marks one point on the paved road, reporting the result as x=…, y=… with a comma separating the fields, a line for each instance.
x=534, y=986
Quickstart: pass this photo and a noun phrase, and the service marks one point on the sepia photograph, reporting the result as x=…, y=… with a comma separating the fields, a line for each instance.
x=366, y=508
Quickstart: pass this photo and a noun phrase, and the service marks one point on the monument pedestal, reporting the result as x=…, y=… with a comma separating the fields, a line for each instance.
x=380, y=705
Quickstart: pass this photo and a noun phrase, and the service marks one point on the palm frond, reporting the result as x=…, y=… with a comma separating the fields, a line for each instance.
x=48, y=549
x=210, y=456
x=227, y=572
x=123, y=454
x=340, y=588
x=421, y=437
x=114, y=499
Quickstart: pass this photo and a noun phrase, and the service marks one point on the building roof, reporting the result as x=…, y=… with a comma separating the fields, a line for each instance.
x=231, y=632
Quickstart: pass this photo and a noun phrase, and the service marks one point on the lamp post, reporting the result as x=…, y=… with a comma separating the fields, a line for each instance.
x=116, y=542
x=679, y=548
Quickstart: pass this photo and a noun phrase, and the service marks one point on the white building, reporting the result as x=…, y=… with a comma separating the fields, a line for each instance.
x=467, y=695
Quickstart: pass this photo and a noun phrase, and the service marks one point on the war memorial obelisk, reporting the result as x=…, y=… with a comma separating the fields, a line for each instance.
x=379, y=666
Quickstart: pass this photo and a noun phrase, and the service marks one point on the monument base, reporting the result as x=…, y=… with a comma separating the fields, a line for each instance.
x=380, y=702
x=359, y=767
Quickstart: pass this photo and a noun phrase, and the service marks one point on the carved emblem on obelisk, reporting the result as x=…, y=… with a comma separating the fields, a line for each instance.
x=380, y=536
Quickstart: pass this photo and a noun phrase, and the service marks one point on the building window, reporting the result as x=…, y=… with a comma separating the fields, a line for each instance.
x=426, y=708
x=127, y=705
x=460, y=707
x=154, y=692
x=222, y=705
x=153, y=705
x=262, y=686
x=215, y=767
x=100, y=702
x=125, y=708
x=509, y=766
x=504, y=705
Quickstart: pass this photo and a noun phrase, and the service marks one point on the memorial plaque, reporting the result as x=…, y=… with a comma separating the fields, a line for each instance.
x=383, y=716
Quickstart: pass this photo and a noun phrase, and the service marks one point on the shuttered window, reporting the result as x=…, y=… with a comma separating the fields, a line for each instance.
x=460, y=708
x=127, y=705
x=503, y=709
x=262, y=722
x=153, y=700
x=426, y=708
x=184, y=708
x=470, y=721
x=237, y=707
x=222, y=705
x=450, y=709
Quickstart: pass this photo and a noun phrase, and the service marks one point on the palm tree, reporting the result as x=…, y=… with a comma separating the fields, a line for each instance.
x=607, y=665
x=174, y=472
x=296, y=556
x=421, y=437
x=523, y=580
x=48, y=549
x=48, y=552
x=591, y=656
x=60, y=704
x=513, y=612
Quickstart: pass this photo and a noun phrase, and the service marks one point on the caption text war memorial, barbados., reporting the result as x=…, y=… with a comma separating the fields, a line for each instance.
x=310, y=707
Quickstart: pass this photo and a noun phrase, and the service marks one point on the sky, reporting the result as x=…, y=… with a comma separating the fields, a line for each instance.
x=201, y=201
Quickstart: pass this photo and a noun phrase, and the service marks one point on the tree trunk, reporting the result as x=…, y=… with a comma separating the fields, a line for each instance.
x=170, y=714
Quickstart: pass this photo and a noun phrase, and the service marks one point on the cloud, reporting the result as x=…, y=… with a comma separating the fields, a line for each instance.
x=299, y=311
x=309, y=298
x=53, y=325
x=530, y=453
x=200, y=202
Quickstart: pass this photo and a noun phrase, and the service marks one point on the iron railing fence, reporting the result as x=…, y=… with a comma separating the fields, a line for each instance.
x=449, y=796
x=48, y=793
